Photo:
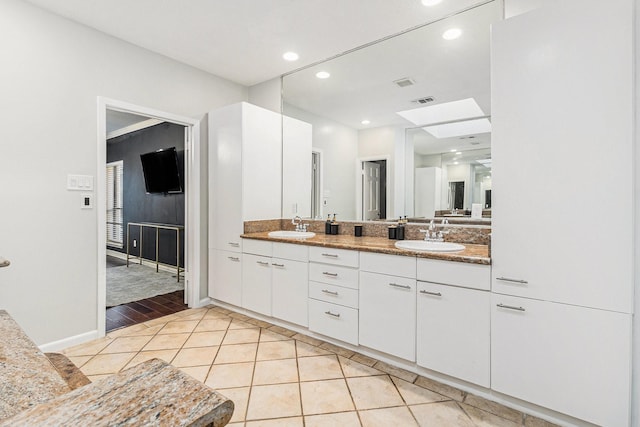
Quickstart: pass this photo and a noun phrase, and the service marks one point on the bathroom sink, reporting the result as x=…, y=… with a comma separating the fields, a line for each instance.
x=289, y=234
x=424, y=246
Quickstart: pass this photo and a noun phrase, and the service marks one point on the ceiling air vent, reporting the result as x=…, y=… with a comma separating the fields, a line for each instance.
x=405, y=82
x=425, y=100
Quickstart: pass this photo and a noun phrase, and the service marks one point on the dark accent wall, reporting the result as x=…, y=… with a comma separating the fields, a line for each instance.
x=138, y=206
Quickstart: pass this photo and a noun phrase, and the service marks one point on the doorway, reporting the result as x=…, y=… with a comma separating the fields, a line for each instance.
x=456, y=195
x=316, y=184
x=373, y=190
x=191, y=237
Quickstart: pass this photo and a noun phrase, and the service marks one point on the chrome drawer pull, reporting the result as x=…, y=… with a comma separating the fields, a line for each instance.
x=395, y=285
x=329, y=292
x=234, y=258
x=330, y=255
x=435, y=294
x=234, y=244
x=277, y=265
x=330, y=274
x=332, y=314
x=262, y=263
x=506, y=279
x=510, y=307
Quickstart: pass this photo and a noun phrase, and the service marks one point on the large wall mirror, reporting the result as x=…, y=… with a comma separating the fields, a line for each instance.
x=402, y=126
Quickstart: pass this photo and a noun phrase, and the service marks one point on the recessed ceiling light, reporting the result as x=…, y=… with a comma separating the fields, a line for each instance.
x=365, y=122
x=323, y=75
x=453, y=150
x=455, y=163
x=291, y=56
x=458, y=153
x=452, y=34
x=431, y=2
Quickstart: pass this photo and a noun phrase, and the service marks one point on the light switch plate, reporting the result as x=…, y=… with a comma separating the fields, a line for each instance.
x=80, y=182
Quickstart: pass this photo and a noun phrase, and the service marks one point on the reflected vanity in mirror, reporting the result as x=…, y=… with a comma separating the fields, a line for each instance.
x=385, y=119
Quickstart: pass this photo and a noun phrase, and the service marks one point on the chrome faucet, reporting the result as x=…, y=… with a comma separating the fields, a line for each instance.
x=297, y=221
x=432, y=234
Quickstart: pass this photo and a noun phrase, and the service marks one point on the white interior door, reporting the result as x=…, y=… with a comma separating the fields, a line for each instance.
x=371, y=191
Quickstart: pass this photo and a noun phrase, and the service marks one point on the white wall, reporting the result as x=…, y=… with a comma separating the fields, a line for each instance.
x=51, y=74
x=267, y=94
x=517, y=7
x=635, y=397
x=339, y=145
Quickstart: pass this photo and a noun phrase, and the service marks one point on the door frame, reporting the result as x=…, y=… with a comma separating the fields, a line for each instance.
x=192, y=253
x=359, y=187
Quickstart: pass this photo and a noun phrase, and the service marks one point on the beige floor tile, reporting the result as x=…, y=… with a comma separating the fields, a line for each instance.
x=239, y=316
x=342, y=419
x=414, y=395
x=240, y=398
x=165, y=342
x=197, y=372
x=279, y=422
x=337, y=350
x=441, y=414
x=274, y=401
x=179, y=326
x=241, y=336
x=388, y=417
x=396, y=372
x=307, y=350
x=215, y=314
x=319, y=368
x=267, y=336
x=352, y=368
x=236, y=353
x=494, y=408
x=79, y=360
x=128, y=331
x=308, y=339
x=531, y=421
x=322, y=397
x=365, y=360
x=440, y=388
x=260, y=323
x=282, y=331
x=197, y=356
x=87, y=349
x=482, y=418
x=191, y=315
x=214, y=324
x=276, y=350
x=235, y=425
x=231, y=375
x=374, y=392
x=107, y=363
x=239, y=324
x=204, y=339
x=166, y=355
x=276, y=372
x=126, y=344
x=146, y=330
x=96, y=378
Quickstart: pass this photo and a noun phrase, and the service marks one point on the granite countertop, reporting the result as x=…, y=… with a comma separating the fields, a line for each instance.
x=152, y=393
x=27, y=377
x=474, y=254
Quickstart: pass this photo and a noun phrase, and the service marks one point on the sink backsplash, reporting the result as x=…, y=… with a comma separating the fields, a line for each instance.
x=458, y=233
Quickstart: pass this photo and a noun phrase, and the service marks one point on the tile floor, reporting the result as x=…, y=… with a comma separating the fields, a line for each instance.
x=277, y=377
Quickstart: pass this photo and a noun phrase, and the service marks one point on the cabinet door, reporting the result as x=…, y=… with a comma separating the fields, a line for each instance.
x=552, y=219
x=453, y=331
x=388, y=314
x=225, y=276
x=290, y=286
x=570, y=359
x=256, y=283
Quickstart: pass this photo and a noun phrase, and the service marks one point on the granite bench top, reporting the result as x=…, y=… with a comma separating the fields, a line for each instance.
x=152, y=393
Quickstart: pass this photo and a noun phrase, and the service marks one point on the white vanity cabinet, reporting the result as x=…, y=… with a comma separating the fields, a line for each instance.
x=453, y=311
x=333, y=293
x=388, y=304
x=289, y=274
x=225, y=276
x=256, y=283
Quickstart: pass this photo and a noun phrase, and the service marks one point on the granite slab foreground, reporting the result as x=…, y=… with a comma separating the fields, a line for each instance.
x=152, y=393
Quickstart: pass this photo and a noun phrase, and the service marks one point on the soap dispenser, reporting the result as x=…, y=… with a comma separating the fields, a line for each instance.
x=334, y=225
x=400, y=229
x=327, y=225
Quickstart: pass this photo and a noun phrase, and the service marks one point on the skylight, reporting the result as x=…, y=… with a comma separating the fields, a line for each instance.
x=445, y=112
x=467, y=127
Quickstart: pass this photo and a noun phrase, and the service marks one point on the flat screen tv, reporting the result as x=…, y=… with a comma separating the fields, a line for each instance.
x=161, y=172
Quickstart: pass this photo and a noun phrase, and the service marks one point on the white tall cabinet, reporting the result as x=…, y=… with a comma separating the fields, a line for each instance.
x=245, y=158
x=296, y=167
x=562, y=270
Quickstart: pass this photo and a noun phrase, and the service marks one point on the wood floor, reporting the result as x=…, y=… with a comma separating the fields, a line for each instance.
x=143, y=310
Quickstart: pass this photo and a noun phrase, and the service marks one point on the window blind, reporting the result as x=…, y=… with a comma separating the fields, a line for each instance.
x=114, y=204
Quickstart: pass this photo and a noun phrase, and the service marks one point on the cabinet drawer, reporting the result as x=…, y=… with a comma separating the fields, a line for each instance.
x=334, y=321
x=257, y=247
x=475, y=276
x=334, y=256
x=334, y=275
x=334, y=294
x=394, y=265
x=291, y=251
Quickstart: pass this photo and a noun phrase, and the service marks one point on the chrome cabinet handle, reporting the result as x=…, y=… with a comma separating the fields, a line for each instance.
x=330, y=255
x=395, y=285
x=234, y=244
x=234, y=258
x=262, y=263
x=330, y=274
x=326, y=291
x=332, y=314
x=277, y=265
x=506, y=279
x=511, y=307
x=435, y=294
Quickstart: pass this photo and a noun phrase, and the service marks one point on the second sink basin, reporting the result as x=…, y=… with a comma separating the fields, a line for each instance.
x=425, y=246
x=288, y=234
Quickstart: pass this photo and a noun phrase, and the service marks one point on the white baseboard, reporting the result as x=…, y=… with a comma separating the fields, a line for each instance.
x=69, y=341
x=204, y=302
x=145, y=262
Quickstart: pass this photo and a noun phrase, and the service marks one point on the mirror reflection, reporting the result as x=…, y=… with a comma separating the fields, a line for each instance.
x=385, y=118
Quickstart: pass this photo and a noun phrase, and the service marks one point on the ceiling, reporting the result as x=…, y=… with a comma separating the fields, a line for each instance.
x=243, y=40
